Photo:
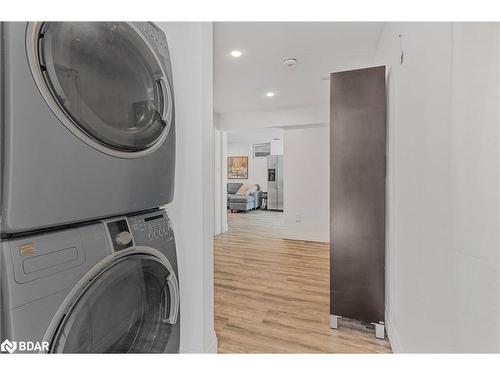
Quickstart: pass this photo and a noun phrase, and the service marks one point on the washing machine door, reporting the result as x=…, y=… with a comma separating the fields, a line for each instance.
x=131, y=306
x=105, y=82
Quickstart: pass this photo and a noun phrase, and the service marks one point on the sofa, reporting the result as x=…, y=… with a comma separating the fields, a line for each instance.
x=236, y=202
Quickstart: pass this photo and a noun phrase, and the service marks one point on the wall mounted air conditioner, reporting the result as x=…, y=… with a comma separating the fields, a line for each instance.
x=261, y=150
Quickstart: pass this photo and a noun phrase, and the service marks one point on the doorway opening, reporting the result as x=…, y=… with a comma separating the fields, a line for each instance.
x=255, y=173
x=272, y=253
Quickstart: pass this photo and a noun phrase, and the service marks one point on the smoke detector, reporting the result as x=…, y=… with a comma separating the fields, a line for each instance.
x=289, y=62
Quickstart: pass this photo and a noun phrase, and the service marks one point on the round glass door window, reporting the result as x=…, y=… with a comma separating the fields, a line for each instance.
x=124, y=309
x=107, y=81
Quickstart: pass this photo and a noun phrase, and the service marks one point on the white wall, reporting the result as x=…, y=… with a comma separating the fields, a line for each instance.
x=191, y=211
x=278, y=117
x=220, y=190
x=307, y=183
x=443, y=198
x=277, y=146
x=224, y=225
x=220, y=160
x=257, y=167
x=209, y=343
x=475, y=193
x=218, y=181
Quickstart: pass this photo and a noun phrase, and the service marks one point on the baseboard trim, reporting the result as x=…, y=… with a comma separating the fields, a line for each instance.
x=303, y=236
x=209, y=348
x=392, y=334
x=212, y=346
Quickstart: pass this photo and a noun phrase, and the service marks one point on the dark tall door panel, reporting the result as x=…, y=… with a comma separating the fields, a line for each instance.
x=357, y=194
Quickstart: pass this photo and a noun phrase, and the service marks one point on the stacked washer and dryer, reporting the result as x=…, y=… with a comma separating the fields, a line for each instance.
x=88, y=259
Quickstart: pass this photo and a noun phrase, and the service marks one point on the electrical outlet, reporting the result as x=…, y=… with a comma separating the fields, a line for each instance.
x=298, y=218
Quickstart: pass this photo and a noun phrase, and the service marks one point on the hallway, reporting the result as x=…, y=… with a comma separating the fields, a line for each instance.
x=272, y=295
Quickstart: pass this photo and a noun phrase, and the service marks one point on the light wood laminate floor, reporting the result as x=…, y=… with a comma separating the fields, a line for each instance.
x=272, y=295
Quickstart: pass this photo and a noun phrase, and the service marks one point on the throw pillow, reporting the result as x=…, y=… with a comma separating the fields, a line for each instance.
x=244, y=189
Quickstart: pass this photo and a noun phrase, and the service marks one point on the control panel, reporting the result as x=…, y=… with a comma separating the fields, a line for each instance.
x=154, y=226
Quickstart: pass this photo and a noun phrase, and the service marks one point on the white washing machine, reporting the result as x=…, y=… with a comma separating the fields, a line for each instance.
x=87, y=122
x=107, y=287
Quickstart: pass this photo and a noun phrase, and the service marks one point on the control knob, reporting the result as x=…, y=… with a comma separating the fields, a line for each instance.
x=123, y=238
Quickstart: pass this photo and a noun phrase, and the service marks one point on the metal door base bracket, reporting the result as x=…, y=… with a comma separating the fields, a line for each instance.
x=379, y=330
x=334, y=321
x=367, y=327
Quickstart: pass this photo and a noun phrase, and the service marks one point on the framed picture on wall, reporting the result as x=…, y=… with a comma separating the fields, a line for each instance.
x=237, y=167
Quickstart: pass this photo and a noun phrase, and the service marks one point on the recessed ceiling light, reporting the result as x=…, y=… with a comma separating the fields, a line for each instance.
x=270, y=94
x=236, y=53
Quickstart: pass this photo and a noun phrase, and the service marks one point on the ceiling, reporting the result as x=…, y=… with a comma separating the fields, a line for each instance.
x=240, y=84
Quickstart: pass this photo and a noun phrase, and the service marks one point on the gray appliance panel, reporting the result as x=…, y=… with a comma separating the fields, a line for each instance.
x=272, y=161
x=279, y=199
x=27, y=309
x=272, y=186
x=50, y=177
x=29, y=322
x=154, y=230
x=275, y=188
x=272, y=196
x=55, y=270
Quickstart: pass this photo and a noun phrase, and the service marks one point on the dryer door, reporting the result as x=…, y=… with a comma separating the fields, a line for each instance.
x=129, y=307
x=104, y=81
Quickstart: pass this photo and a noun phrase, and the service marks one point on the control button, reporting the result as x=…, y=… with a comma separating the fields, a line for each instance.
x=123, y=238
